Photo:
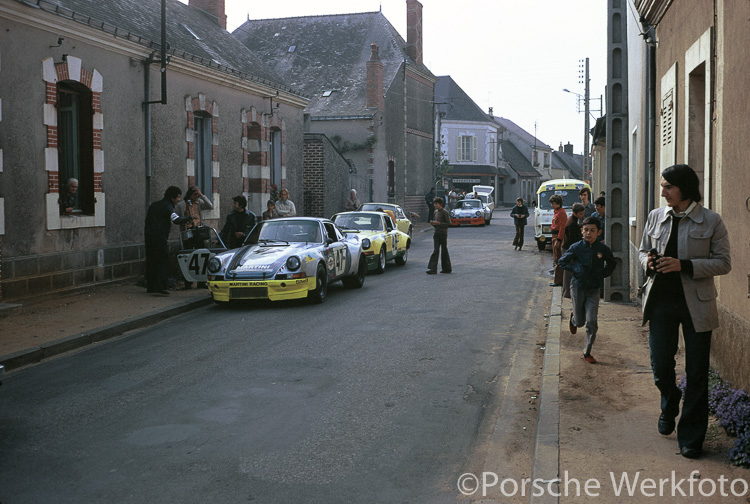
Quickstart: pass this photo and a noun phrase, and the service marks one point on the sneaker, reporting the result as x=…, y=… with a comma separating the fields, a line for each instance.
x=572, y=327
x=589, y=358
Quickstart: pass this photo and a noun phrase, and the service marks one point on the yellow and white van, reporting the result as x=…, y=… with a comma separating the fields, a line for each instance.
x=568, y=189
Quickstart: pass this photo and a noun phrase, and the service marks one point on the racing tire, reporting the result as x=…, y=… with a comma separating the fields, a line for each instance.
x=401, y=260
x=357, y=280
x=541, y=245
x=381, y=261
x=319, y=294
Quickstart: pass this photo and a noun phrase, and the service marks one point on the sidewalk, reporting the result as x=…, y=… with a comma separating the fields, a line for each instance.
x=36, y=331
x=607, y=414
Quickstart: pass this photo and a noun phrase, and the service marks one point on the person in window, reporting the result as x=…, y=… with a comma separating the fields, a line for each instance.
x=352, y=202
x=156, y=230
x=195, y=201
x=69, y=196
x=284, y=205
x=239, y=223
x=270, y=212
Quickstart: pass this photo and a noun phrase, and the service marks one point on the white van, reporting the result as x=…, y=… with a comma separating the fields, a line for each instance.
x=485, y=194
x=568, y=189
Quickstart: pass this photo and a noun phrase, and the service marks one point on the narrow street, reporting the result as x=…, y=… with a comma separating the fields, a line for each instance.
x=384, y=394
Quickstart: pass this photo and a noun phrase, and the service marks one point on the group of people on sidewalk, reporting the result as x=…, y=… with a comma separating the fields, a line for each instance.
x=683, y=247
x=188, y=214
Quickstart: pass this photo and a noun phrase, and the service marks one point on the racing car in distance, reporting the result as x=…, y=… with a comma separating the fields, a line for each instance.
x=402, y=221
x=289, y=258
x=386, y=242
x=470, y=211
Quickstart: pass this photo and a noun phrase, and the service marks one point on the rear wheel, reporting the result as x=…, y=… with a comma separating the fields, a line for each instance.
x=357, y=280
x=381, y=261
x=401, y=260
x=318, y=295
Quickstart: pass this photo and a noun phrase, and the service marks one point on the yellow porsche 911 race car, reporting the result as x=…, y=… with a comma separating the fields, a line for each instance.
x=386, y=242
x=288, y=258
x=402, y=221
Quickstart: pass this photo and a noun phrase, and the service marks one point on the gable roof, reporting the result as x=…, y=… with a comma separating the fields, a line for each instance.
x=573, y=163
x=192, y=34
x=318, y=54
x=517, y=161
x=518, y=135
x=459, y=107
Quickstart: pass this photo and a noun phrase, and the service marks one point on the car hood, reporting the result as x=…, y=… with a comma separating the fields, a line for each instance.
x=267, y=258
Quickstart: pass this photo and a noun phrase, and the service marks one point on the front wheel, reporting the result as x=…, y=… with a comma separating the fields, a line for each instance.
x=318, y=295
x=401, y=260
x=381, y=260
x=357, y=280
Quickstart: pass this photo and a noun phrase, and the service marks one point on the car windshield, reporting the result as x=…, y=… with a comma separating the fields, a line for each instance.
x=290, y=231
x=470, y=204
x=373, y=207
x=569, y=197
x=364, y=222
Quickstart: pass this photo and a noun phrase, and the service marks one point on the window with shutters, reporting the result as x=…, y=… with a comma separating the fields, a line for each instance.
x=466, y=148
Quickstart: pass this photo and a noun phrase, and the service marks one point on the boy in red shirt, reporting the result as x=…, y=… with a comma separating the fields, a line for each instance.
x=559, y=220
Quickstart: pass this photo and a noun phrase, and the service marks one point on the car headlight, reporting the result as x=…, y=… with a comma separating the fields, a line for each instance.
x=453, y=214
x=366, y=243
x=292, y=263
x=479, y=213
x=214, y=265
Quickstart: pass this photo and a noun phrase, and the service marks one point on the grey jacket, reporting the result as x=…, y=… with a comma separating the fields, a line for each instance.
x=703, y=239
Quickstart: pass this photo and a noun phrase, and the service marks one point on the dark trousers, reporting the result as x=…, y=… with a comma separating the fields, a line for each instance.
x=557, y=254
x=518, y=240
x=666, y=317
x=430, y=212
x=440, y=242
x=157, y=264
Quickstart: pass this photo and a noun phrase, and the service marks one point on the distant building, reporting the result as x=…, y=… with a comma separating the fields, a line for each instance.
x=370, y=93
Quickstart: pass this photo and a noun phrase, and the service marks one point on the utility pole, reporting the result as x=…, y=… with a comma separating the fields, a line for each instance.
x=586, y=153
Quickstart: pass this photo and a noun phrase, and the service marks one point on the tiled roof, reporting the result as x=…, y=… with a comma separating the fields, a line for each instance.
x=192, y=33
x=517, y=134
x=328, y=55
x=458, y=106
x=517, y=161
x=573, y=163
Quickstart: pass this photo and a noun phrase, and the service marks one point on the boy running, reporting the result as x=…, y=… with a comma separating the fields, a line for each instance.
x=590, y=261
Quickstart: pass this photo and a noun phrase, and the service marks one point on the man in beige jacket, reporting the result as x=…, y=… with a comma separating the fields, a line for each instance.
x=684, y=247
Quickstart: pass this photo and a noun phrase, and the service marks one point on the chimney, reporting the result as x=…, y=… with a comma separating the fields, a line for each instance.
x=215, y=8
x=414, y=30
x=375, y=97
x=568, y=149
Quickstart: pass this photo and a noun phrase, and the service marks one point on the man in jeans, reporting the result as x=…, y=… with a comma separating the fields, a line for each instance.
x=441, y=221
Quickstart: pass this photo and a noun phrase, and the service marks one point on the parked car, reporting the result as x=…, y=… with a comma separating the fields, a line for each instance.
x=470, y=211
x=568, y=190
x=402, y=221
x=289, y=258
x=386, y=242
x=485, y=195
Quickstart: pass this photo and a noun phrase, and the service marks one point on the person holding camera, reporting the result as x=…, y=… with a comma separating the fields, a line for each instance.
x=684, y=246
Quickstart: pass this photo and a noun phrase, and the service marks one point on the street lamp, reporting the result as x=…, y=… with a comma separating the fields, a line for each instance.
x=585, y=98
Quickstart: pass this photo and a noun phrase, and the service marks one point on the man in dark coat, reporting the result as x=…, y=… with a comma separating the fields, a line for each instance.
x=238, y=225
x=429, y=198
x=161, y=214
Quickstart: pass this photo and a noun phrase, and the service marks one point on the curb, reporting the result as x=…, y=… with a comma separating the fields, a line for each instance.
x=546, y=466
x=37, y=354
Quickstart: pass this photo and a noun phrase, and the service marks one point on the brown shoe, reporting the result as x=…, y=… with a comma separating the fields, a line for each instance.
x=572, y=327
x=589, y=358
x=430, y=272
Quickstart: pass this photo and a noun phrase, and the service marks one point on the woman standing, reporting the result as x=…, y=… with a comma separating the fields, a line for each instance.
x=520, y=216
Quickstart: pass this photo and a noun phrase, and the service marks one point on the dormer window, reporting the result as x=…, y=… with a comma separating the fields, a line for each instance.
x=327, y=93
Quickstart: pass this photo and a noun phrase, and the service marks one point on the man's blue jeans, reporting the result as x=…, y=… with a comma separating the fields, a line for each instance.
x=666, y=317
x=585, y=311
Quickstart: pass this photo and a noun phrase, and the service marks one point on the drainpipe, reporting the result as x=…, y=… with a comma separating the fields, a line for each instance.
x=147, y=123
x=650, y=178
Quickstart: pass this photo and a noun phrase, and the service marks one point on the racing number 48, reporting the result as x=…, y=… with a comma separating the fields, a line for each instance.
x=198, y=263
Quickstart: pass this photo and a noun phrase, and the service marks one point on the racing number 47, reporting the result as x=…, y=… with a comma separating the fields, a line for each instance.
x=198, y=263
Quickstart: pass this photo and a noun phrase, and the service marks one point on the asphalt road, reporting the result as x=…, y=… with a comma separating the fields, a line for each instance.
x=381, y=395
